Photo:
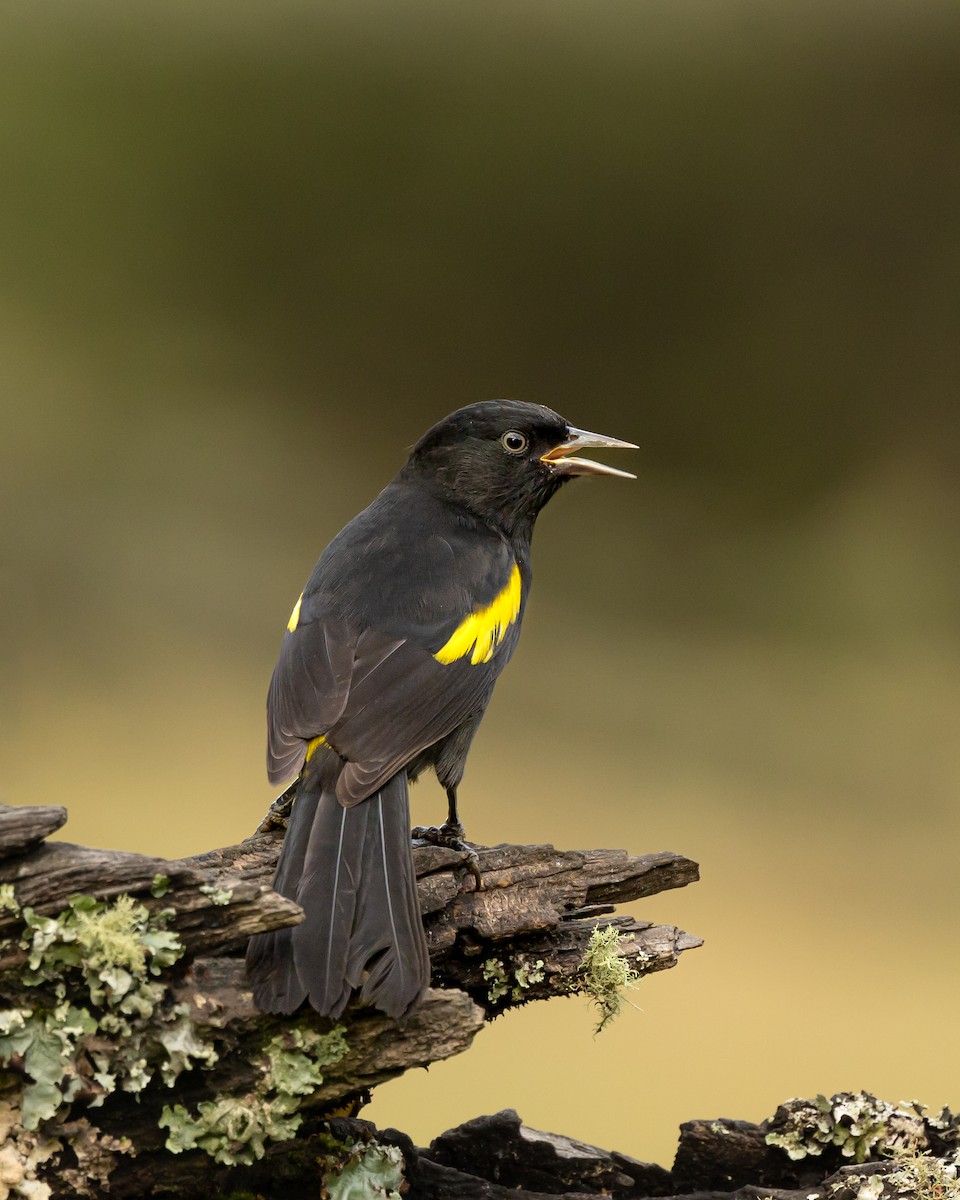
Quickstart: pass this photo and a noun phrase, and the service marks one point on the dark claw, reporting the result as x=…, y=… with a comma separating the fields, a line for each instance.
x=450, y=837
x=471, y=862
x=278, y=813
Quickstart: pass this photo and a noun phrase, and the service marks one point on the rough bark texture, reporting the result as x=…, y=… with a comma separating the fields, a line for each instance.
x=522, y=937
x=127, y=1022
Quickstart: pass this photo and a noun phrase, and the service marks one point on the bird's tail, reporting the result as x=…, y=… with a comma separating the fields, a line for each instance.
x=351, y=871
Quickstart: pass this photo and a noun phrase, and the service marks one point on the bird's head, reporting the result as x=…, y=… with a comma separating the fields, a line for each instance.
x=503, y=459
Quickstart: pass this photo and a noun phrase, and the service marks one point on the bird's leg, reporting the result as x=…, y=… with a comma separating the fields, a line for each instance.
x=452, y=827
x=451, y=836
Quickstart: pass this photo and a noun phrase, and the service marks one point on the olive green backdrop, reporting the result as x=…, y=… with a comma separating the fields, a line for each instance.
x=249, y=252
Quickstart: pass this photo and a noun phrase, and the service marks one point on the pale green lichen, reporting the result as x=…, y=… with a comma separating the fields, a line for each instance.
x=114, y=945
x=495, y=973
x=121, y=1032
x=118, y=1030
x=47, y=1042
x=526, y=974
x=862, y=1187
x=920, y=1175
x=606, y=974
x=498, y=977
x=8, y=899
x=235, y=1129
x=912, y=1175
x=160, y=886
x=859, y=1124
x=365, y=1171
x=216, y=894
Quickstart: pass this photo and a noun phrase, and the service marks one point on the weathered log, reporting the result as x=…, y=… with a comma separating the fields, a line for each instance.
x=214, y=1104
x=21, y=828
x=147, y=1085
x=722, y=1156
x=501, y=1149
x=499, y=1158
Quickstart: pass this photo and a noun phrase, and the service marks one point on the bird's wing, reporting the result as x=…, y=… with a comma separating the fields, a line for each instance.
x=308, y=691
x=380, y=698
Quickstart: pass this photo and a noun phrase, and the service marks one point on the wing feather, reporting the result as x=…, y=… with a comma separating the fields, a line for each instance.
x=382, y=696
x=308, y=692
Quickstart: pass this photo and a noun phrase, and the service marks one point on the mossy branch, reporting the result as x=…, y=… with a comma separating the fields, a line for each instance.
x=131, y=1053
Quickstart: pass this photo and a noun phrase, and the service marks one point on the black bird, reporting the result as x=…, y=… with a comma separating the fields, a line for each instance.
x=387, y=666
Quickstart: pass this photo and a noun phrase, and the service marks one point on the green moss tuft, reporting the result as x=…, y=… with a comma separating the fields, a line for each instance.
x=112, y=945
x=919, y=1175
x=606, y=974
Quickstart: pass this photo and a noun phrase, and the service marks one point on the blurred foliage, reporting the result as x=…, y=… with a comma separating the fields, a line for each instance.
x=250, y=251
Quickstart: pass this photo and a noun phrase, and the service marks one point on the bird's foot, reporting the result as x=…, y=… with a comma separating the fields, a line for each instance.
x=450, y=837
x=278, y=813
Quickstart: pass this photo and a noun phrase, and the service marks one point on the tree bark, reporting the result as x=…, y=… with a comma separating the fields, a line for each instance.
x=523, y=937
x=133, y=1062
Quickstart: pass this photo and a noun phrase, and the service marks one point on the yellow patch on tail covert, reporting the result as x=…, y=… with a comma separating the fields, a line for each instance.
x=314, y=745
x=295, y=615
x=481, y=632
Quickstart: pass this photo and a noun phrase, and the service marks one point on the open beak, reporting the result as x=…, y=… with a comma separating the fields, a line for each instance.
x=560, y=459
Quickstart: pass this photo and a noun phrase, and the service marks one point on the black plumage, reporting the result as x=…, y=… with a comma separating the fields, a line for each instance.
x=387, y=666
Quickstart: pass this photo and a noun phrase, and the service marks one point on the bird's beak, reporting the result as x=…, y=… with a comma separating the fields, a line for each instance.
x=560, y=459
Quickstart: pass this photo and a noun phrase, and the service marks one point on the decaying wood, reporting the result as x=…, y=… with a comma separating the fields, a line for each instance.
x=21, y=828
x=499, y=1158
x=521, y=937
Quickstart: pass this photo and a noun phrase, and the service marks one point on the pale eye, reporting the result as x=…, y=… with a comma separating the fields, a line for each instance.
x=514, y=442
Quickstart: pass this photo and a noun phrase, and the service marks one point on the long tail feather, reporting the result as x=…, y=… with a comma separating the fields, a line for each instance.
x=351, y=870
x=270, y=967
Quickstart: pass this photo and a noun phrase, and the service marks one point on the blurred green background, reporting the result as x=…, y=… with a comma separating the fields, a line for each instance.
x=249, y=252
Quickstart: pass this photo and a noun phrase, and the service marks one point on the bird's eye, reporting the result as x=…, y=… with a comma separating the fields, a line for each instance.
x=514, y=442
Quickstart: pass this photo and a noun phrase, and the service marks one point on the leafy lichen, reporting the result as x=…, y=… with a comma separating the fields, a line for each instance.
x=859, y=1124
x=526, y=974
x=119, y=1029
x=235, y=1129
x=606, y=974
x=8, y=899
x=497, y=974
x=90, y=1016
x=364, y=1171
x=113, y=945
x=216, y=894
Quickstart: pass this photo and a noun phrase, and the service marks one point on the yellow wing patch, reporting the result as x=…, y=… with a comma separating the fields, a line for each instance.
x=295, y=615
x=482, y=631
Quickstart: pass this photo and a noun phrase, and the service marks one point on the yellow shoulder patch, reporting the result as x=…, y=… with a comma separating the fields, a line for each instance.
x=295, y=615
x=482, y=631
